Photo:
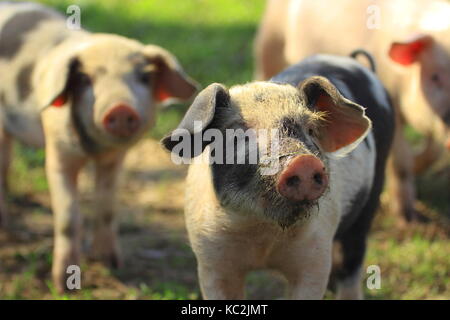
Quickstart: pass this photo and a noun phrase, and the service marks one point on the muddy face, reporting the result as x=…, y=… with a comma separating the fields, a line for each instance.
x=284, y=197
x=283, y=194
x=310, y=122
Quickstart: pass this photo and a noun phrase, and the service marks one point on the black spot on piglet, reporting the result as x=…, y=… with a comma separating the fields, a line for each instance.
x=14, y=30
x=24, y=81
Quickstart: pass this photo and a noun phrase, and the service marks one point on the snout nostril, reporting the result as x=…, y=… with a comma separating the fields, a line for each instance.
x=293, y=181
x=318, y=178
x=304, y=178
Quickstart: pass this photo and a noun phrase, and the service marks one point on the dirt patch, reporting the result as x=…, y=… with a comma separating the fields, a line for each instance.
x=158, y=263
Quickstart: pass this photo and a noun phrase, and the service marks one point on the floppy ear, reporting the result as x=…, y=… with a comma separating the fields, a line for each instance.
x=345, y=124
x=408, y=52
x=171, y=82
x=204, y=111
x=51, y=79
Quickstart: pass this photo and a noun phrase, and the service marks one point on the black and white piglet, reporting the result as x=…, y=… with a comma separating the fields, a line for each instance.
x=335, y=126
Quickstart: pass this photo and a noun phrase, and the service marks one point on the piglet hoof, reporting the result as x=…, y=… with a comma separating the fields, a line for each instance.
x=107, y=252
x=411, y=215
x=59, y=282
x=110, y=259
x=114, y=260
x=3, y=222
x=3, y=219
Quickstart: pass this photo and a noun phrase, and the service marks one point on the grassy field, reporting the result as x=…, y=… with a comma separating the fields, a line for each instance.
x=213, y=40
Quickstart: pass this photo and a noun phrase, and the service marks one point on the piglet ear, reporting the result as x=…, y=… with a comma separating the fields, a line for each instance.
x=206, y=110
x=408, y=52
x=344, y=124
x=52, y=80
x=171, y=82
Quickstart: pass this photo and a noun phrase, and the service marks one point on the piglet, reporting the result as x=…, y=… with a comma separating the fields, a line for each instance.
x=281, y=170
x=85, y=96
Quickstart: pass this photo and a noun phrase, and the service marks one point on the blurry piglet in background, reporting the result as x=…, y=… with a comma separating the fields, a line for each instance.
x=410, y=41
x=85, y=96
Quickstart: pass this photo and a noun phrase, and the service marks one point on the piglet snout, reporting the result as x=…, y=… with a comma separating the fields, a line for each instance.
x=303, y=179
x=121, y=121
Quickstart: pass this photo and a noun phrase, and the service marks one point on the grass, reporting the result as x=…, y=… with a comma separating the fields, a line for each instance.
x=213, y=40
x=417, y=266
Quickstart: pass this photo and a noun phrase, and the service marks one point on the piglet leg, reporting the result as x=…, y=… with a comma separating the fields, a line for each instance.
x=105, y=246
x=402, y=191
x=220, y=283
x=311, y=269
x=62, y=172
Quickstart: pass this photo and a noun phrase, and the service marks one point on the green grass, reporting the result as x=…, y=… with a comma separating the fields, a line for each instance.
x=27, y=170
x=416, y=268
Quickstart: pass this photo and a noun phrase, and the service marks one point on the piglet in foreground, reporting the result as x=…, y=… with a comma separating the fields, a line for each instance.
x=281, y=170
x=85, y=96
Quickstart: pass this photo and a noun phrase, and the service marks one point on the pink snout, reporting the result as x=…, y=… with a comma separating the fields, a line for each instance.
x=303, y=179
x=122, y=121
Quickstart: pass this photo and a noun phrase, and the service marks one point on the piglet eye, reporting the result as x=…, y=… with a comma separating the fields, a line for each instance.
x=311, y=132
x=147, y=73
x=83, y=78
x=145, y=77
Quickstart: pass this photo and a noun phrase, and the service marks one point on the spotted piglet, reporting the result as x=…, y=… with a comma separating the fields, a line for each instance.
x=320, y=132
x=85, y=96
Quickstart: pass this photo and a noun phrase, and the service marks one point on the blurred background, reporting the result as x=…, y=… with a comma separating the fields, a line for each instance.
x=213, y=39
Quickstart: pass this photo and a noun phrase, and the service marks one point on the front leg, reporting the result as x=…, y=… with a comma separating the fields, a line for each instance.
x=221, y=281
x=62, y=172
x=105, y=246
x=311, y=267
x=401, y=184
